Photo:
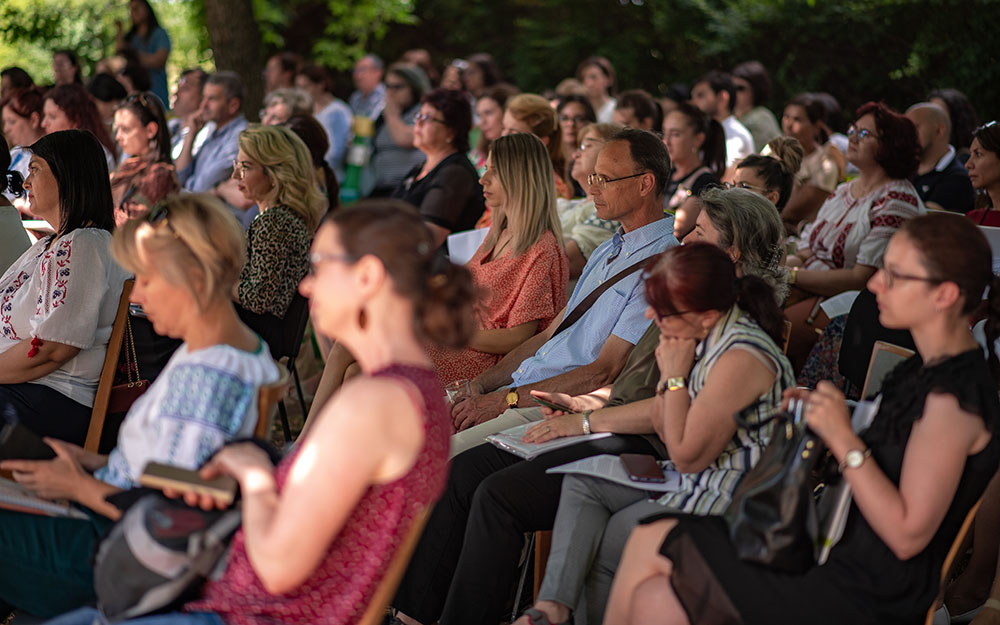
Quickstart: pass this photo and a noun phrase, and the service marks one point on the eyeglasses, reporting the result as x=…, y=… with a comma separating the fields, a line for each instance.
x=590, y=143
x=241, y=167
x=889, y=277
x=423, y=118
x=578, y=121
x=861, y=133
x=604, y=181
x=743, y=185
x=315, y=258
x=660, y=317
x=393, y=86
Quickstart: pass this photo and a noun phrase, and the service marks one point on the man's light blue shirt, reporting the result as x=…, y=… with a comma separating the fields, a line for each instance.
x=214, y=161
x=368, y=105
x=621, y=310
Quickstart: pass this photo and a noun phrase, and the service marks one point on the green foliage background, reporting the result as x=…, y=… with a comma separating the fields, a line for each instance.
x=895, y=50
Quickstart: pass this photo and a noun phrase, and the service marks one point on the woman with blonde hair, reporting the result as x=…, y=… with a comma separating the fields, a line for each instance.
x=186, y=256
x=532, y=113
x=274, y=169
x=521, y=267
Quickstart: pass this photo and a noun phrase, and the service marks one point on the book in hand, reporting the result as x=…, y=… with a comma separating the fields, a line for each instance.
x=510, y=440
x=13, y=496
x=611, y=468
x=156, y=475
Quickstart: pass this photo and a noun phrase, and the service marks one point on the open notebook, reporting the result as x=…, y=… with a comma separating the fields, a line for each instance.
x=13, y=496
x=510, y=440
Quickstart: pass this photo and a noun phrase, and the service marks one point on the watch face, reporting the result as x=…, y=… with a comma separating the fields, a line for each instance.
x=512, y=397
x=854, y=458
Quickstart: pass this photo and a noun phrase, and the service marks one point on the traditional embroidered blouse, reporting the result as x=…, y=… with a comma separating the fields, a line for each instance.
x=849, y=231
x=67, y=294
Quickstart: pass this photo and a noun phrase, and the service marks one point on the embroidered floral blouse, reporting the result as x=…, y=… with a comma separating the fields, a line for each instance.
x=67, y=293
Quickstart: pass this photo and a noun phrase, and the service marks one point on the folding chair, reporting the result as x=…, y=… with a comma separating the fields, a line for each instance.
x=100, y=410
x=949, y=560
x=267, y=397
x=375, y=612
x=885, y=357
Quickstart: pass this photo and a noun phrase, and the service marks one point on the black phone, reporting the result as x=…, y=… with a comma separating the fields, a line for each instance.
x=552, y=405
x=19, y=443
x=642, y=468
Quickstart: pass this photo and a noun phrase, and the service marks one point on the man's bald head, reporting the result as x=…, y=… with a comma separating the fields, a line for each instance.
x=933, y=125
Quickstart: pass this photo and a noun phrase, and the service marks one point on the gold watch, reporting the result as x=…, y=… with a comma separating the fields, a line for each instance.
x=672, y=384
x=512, y=397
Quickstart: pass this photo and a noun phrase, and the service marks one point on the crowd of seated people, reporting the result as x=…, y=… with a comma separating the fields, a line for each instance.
x=655, y=269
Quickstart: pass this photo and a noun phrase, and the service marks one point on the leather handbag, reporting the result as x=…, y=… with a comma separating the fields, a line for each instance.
x=773, y=517
x=124, y=395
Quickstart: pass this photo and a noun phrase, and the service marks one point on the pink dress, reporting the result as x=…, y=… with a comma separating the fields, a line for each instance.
x=529, y=287
x=339, y=590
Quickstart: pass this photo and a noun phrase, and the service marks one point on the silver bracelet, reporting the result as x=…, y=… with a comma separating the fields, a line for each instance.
x=586, y=421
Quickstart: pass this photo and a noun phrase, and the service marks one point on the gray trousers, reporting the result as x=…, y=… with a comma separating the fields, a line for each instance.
x=594, y=520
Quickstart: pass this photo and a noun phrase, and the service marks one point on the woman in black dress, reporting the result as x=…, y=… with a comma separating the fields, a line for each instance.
x=915, y=473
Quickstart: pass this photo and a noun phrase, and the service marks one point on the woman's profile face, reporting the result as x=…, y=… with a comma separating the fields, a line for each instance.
x=131, y=135
x=399, y=90
x=170, y=308
x=572, y=117
x=63, y=72
x=474, y=79
x=704, y=231
x=512, y=124
x=251, y=178
x=430, y=132
x=493, y=191
x=490, y=118
x=906, y=302
x=585, y=157
x=329, y=285
x=861, y=151
x=795, y=123
x=20, y=130
x=276, y=113
x=750, y=179
x=680, y=138
x=595, y=81
x=983, y=166
x=54, y=118
x=43, y=192
x=677, y=326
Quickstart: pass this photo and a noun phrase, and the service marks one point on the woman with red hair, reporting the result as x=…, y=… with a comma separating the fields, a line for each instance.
x=69, y=106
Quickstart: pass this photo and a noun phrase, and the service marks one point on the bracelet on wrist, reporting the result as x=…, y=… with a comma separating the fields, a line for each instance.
x=586, y=421
x=672, y=383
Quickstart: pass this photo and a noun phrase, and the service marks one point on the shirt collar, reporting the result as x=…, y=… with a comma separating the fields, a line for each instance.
x=220, y=130
x=639, y=238
x=945, y=160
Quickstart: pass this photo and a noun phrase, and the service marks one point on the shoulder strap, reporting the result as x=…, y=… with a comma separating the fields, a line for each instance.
x=581, y=308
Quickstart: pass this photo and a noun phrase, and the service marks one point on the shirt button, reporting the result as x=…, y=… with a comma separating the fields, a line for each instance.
x=520, y=370
x=600, y=282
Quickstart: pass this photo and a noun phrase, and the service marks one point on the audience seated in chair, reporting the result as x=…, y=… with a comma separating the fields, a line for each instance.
x=941, y=180
x=819, y=172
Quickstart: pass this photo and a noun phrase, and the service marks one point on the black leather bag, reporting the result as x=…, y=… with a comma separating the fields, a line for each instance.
x=773, y=518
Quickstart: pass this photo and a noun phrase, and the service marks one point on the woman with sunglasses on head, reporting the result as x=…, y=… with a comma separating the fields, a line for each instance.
x=915, y=473
x=445, y=188
x=186, y=256
x=58, y=300
x=843, y=247
x=521, y=267
x=378, y=286
x=984, y=172
x=274, y=170
x=148, y=175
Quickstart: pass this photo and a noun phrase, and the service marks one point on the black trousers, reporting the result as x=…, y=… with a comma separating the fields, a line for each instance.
x=465, y=564
x=45, y=411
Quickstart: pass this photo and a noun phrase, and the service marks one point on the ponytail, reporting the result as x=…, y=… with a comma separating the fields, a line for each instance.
x=756, y=297
x=714, y=148
x=993, y=325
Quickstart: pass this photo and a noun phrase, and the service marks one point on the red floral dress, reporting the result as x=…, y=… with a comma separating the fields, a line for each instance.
x=529, y=287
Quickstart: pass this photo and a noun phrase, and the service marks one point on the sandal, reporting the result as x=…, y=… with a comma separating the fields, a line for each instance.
x=537, y=617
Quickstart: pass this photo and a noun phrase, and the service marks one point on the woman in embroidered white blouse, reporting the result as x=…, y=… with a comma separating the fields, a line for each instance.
x=58, y=300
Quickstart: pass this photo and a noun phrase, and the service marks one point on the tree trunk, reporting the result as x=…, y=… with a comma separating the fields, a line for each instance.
x=236, y=46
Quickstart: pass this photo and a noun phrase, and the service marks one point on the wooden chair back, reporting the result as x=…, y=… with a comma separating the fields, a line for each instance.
x=107, y=379
x=885, y=356
x=786, y=336
x=375, y=612
x=949, y=559
x=267, y=400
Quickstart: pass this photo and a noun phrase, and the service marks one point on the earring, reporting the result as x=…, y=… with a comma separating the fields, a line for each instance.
x=362, y=319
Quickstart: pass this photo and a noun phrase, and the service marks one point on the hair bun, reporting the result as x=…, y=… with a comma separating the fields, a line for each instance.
x=788, y=151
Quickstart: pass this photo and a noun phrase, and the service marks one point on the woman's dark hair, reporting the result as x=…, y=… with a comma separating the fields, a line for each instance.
x=148, y=109
x=898, y=147
x=442, y=292
x=834, y=119
x=963, y=116
x=953, y=249
x=815, y=112
x=499, y=93
x=25, y=102
x=602, y=64
x=457, y=113
x=713, y=150
x=74, y=61
x=491, y=71
x=106, y=88
x=75, y=103
x=756, y=74
x=10, y=181
x=137, y=74
x=643, y=106
x=582, y=100
x=778, y=168
x=81, y=172
x=318, y=75
x=314, y=136
x=989, y=137
x=414, y=77
x=151, y=22
x=678, y=92
x=19, y=79
x=699, y=277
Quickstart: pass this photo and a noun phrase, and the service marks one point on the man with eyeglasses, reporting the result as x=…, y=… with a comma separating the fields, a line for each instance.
x=627, y=186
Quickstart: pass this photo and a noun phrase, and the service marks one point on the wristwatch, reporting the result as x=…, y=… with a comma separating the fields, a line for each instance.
x=586, y=421
x=793, y=275
x=672, y=384
x=512, y=397
x=854, y=458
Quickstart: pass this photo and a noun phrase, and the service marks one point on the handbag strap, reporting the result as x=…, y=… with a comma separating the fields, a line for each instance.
x=793, y=416
x=588, y=301
x=131, y=361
